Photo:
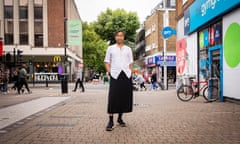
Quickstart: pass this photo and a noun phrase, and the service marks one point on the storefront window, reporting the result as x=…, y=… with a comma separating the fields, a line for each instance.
x=209, y=37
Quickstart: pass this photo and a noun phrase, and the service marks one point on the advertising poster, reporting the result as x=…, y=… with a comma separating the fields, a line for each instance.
x=231, y=55
x=181, y=47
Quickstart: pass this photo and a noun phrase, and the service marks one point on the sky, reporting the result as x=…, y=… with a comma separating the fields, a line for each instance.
x=90, y=9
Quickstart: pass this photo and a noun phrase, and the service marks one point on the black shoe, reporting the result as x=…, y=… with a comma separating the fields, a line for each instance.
x=121, y=123
x=109, y=126
x=22, y=91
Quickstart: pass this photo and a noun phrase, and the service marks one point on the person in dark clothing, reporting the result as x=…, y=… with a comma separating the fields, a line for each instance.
x=154, y=80
x=118, y=63
x=23, y=79
x=15, y=79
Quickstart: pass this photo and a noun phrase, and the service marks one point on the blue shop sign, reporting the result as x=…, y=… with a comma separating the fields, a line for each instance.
x=150, y=61
x=167, y=32
x=171, y=60
x=202, y=11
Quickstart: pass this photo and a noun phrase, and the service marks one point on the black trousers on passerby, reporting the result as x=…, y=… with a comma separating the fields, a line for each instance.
x=142, y=85
x=81, y=85
x=23, y=81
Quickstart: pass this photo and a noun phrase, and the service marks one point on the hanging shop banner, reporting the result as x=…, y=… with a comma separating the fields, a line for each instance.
x=202, y=11
x=181, y=55
x=74, y=33
x=170, y=61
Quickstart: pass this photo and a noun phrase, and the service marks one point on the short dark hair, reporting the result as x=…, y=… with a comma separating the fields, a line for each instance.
x=118, y=31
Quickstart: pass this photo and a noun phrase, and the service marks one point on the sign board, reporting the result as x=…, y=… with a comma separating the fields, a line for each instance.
x=74, y=33
x=42, y=77
x=181, y=51
x=167, y=32
x=203, y=11
x=57, y=59
x=170, y=60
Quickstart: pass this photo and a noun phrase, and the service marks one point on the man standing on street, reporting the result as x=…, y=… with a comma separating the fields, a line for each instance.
x=23, y=79
x=79, y=79
x=118, y=63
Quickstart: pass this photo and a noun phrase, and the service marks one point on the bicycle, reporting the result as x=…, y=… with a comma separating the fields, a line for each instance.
x=187, y=92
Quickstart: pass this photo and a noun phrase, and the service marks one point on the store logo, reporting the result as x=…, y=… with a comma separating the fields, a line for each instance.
x=209, y=4
x=232, y=45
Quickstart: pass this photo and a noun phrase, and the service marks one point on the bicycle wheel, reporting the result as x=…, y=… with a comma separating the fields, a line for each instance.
x=185, y=93
x=211, y=93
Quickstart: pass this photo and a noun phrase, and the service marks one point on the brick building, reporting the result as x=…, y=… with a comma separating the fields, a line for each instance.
x=208, y=43
x=154, y=40
x=36, y=27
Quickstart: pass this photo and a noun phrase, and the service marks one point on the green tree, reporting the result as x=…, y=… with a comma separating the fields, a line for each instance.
x=94, y=48
x=112, y=20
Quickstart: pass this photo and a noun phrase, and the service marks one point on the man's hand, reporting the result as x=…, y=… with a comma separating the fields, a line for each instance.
x=107, y=66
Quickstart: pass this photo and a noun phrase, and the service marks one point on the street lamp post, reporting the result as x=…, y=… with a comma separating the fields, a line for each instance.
x=165, y=23
x=65, y=38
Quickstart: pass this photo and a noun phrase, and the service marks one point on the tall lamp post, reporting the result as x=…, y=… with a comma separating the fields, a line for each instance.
x=65, y=38
x=165, y=23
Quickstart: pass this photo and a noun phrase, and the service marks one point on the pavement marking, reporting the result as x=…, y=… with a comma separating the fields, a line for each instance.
x=12, y=114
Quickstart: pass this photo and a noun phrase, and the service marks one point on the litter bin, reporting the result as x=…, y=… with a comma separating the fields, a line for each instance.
x=64, y=83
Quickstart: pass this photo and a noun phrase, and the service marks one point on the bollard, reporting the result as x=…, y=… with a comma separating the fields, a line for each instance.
x=46, y=82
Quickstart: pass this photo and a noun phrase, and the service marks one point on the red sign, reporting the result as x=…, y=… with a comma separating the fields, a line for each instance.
x=1, y=48
x=211, y=36
x=181, y=55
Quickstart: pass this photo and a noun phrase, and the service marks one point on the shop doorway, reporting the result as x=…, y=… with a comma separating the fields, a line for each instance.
x=215, y=68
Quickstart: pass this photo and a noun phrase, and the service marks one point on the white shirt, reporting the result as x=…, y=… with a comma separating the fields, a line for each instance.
x=140, y=79
x=79, y=74
x=119, y=60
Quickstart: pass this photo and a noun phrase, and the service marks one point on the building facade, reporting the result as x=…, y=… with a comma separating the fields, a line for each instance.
x=36, y=27
x=208, y=43
x=154, y=41
x=140, y=48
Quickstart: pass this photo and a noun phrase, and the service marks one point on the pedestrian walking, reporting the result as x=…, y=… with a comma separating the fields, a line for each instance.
x=23, y=79
x=118, y=63
x=139, y=78
x=79, y=79
x=15, y=79
x=154, y=80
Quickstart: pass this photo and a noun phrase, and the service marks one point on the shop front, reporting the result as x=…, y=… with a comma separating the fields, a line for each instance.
x=217, y=26
x=171, y=67
x=156, y=62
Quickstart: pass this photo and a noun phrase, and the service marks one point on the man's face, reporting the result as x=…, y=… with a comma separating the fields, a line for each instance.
x=119, y=37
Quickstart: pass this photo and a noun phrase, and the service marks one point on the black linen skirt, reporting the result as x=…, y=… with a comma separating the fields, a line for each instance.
x=120, y=97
